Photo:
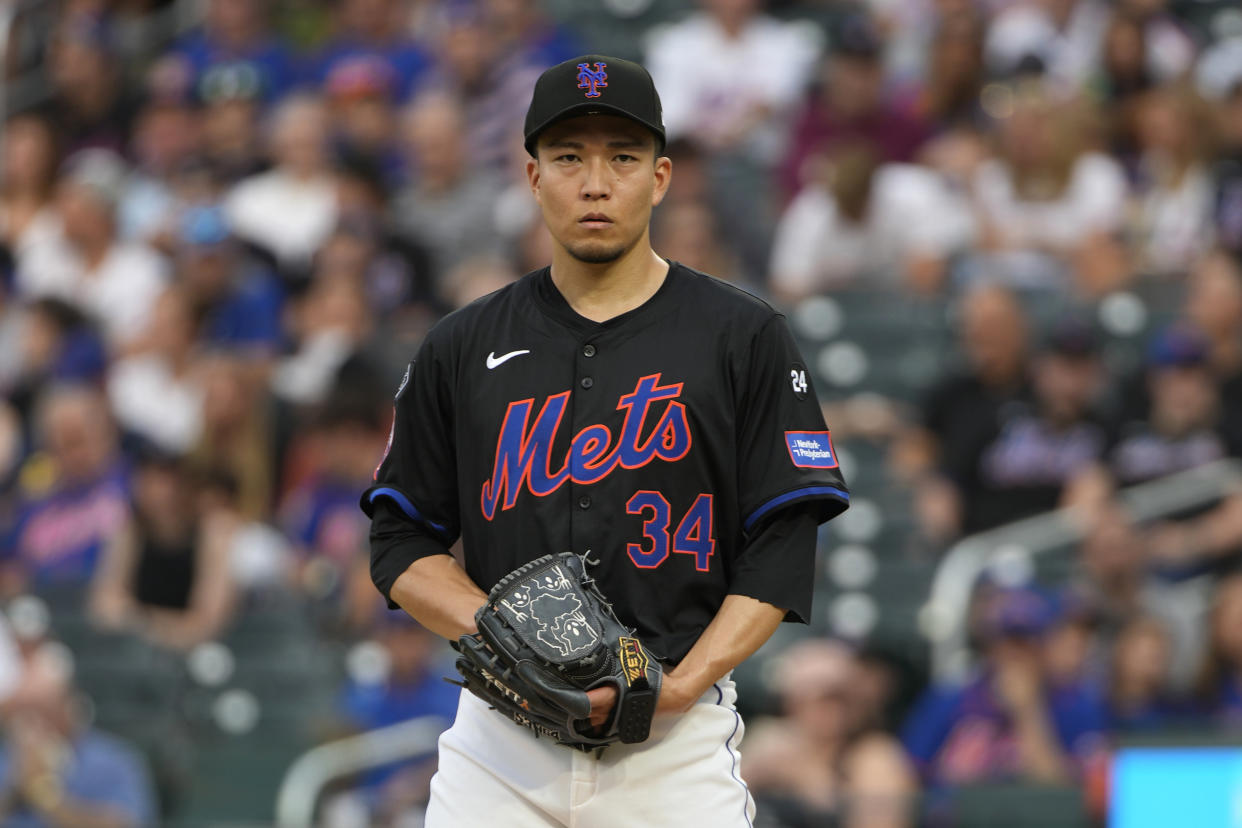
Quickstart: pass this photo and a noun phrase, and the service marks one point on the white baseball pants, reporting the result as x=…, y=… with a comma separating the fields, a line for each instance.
x=495, y=773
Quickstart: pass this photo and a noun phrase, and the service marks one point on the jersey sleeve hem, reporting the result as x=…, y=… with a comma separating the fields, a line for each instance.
x=399, y=499
x=835, y=499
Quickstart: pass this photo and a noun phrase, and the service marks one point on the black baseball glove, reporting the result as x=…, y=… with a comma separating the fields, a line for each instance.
x=546, y=636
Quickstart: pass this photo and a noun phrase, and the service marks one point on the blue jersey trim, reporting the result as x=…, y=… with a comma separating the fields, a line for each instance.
x=406, y=506
x=780, y=500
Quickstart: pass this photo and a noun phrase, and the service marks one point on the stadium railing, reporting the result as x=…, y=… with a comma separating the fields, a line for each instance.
x=944, y=619
x=314, y=770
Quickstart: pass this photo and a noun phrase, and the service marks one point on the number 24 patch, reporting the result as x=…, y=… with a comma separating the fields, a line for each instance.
x=811, y=449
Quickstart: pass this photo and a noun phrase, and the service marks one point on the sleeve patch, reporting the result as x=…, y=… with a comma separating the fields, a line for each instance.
x=811, y=449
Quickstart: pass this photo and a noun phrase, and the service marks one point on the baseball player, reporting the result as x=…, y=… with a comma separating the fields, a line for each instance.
x=629, y=409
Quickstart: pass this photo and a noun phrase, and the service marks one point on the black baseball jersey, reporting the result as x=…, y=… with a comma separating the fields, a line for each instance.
x=659, y=443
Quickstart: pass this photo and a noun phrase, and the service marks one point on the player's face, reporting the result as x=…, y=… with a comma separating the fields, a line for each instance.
x=596, y=179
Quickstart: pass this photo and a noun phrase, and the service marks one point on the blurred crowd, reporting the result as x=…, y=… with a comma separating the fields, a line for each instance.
x=221, y=241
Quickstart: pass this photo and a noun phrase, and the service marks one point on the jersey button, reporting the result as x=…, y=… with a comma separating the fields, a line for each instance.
x=584, y=502
x=587, y=382
x=588, y=350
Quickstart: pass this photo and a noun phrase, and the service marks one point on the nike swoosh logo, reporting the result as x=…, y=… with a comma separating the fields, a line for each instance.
x=493, y=360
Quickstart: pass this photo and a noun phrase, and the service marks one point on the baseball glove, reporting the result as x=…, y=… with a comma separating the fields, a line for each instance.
x=546, y=636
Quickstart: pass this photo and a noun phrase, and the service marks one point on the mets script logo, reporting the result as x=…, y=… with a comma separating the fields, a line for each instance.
x=633, y=660
x=592, y=81
x=524, y=450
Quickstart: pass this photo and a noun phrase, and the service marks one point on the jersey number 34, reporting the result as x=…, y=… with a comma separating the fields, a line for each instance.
x=693, y=535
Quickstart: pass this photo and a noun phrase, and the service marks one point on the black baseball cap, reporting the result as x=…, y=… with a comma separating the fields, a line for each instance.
x=594, y=84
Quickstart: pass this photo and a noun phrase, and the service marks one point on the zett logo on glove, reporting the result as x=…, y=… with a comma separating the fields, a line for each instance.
x=634, y=661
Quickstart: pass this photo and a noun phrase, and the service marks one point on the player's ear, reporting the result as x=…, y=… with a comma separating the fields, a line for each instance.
x=532, y=176
x=663, y=177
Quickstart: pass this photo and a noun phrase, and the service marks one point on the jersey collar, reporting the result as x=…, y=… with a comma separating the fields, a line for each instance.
x=553, y=303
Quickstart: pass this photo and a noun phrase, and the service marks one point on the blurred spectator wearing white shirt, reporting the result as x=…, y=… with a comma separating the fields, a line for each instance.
x=1063, y=35
x=1172, y=218
x=889, y=224
x=449, y=209
x=28, y=172
x=86, y=263
x=729, y=80
x=728, y=76
x=158, y=394
x=290, y=209
x=1047, y=198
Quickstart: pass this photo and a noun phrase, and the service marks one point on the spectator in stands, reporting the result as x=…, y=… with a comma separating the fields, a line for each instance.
x=237, y=432
x=1066, y=38
x=321, y=514
x=57, y=344
x=56, y=770
x=91, y=105
x=1124, y=73
x=524, y=29
x=87, y=263
x=167, y=138
x=61, y=530
x=1020, y=463
x=236, y=32
x=289, y=210
x=28, y=161
x=237, y=297
x=492, y=86
x=1227, y=169
x=409, y=686
x=964, y=403
x=1140, y=697
x=1220, y=680
x=330, y=322
x=449, y=206
x=157, y=394
x=824, y=762
x=369, y=38
x=1047, y=198
x=1214, y=307
x=1115, y=583
x=1172, y=216
x=1009, y=722
x=951, y=97
x=475, y=278
x=739, y=112
x=686, y=232
x=1061, y=37
x=1185, y=428
x=165, y=576
x=1171, y=43
x=394, y=273
x=359, y=98
x=760, y=66
x=850, y=104
x=230, y=98
x=868, y=224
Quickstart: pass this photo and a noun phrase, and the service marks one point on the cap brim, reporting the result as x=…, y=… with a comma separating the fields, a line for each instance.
x=591, y=108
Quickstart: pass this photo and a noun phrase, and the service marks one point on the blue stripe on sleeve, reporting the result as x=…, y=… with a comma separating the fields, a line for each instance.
x=406, y=506
x=780, y=500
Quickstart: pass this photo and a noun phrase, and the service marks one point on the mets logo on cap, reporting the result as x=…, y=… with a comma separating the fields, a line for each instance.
x=592, y=81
